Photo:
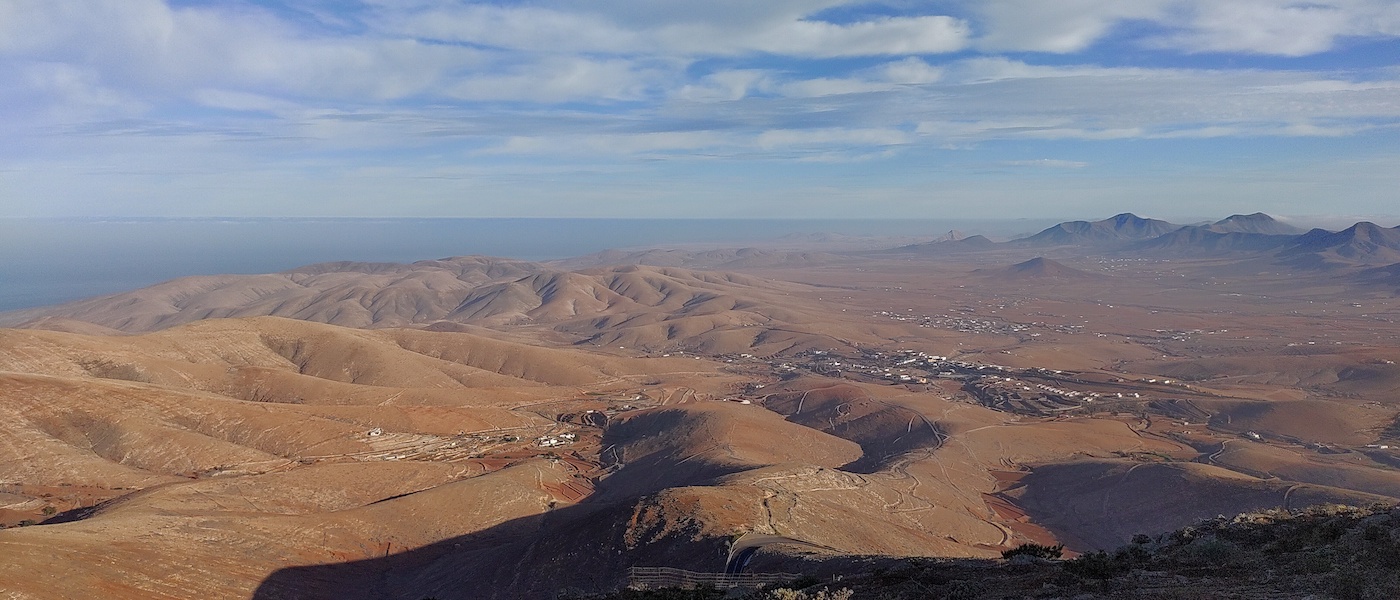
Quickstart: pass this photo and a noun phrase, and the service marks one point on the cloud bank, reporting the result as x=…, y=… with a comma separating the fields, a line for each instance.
x=315, y=90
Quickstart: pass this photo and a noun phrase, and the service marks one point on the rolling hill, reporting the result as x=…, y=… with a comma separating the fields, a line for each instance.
x=346, y=293
x=720, y=259
x=649, y=307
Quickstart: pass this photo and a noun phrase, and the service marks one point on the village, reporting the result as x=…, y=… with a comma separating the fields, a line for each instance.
x=989, y=325
x=1033, y=391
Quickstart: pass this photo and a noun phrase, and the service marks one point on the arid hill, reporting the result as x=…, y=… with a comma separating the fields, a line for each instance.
x=1039, y=269
x=236, y=447
x=348, y=294
x=631, y=306
x=1361, y=244
x=720, y=259
x=280, y=459
x=493, y=428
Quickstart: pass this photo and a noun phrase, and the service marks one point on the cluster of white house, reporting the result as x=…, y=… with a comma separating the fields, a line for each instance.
x=550, y=441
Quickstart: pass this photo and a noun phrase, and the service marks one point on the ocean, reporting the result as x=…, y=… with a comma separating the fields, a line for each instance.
x=50, y=261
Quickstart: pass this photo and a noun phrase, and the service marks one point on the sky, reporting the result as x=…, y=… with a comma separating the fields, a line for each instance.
x=715, y=108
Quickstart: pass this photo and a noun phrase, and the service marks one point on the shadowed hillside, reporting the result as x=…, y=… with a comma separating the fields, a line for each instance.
x=1324, y=552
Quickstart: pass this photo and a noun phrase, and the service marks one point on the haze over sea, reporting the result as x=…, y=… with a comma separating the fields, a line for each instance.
x=49, y=261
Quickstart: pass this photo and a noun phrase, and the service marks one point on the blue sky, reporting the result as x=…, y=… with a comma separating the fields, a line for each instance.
x=720, y=108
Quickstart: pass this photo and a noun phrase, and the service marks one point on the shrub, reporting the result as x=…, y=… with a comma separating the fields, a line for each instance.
x=699, y=593
x=804, y=581
x=1035, y=550
x=790, y=594
x=1097, y=565
x=1132, y=555
x=103, y=368
x=966, y=590
x=1211, y=551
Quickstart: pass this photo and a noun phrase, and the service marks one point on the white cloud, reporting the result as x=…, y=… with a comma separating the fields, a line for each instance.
x=515, y=27
x=894, y=35
x=998, y=99
x=993, y=69
x=909, y=71
x=730, y=14
x=825, y=143
x=615, y=144
x=149, y=49
x=1059, y=26
x=243, y=101
x=881, y=78
x=735, y=84
x=1259, y=130
x=790, y=138
x=830, y=86
x=66, y=93
x=560, y=79
x=1280, y=28
x=1049, y=163
x=147, y=46
x=1277, y=27
x=140, y=83
x=782, y=28
x=725, y=85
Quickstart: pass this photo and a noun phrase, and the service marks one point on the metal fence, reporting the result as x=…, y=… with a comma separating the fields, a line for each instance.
x=650, y=578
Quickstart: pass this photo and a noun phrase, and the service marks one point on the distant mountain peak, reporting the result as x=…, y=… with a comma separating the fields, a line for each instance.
x=1365, y=228
x=1253, y=223
x=1123, y=227
x=1362, y=243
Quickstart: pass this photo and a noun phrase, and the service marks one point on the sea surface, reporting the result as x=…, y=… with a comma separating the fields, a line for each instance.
x=51, y=261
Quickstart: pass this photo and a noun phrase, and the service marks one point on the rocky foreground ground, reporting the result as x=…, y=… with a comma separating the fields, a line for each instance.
x=1326, y=551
